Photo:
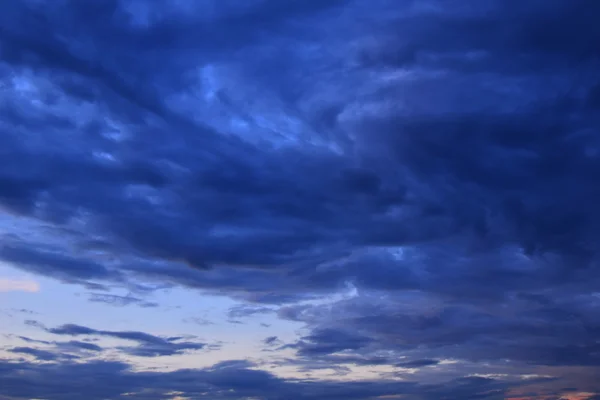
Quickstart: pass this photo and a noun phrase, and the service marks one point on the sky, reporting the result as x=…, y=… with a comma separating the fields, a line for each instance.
x=299, y=199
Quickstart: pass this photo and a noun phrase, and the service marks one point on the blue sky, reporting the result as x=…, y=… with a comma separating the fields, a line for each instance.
x=299, y=200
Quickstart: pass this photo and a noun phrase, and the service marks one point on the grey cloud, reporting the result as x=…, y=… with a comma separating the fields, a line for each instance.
x=516, y=332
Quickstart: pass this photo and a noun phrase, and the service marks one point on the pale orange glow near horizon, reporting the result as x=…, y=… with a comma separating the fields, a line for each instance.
x=569, y=396
x=18, y=285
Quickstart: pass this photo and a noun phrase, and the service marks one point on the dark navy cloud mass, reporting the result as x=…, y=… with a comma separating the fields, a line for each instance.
x=440, y=160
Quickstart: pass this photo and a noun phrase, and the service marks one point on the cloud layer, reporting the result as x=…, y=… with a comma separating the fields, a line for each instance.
x=439, y=160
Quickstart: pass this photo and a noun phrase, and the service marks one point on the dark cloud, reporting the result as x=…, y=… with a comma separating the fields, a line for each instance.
x=56, y=350
x=42, y=355
x=330, y=340
x=75, y=344
x=30, y=340
x=439, y=160
x=229, y=380
x=148, y=345
x=56, y=265
x=72, y=346
x=271, y=340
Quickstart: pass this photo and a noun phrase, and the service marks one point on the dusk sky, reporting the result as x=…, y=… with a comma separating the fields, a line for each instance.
x=299, y=199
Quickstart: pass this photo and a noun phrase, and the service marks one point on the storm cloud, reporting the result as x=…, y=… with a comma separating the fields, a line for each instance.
x=433, y=164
